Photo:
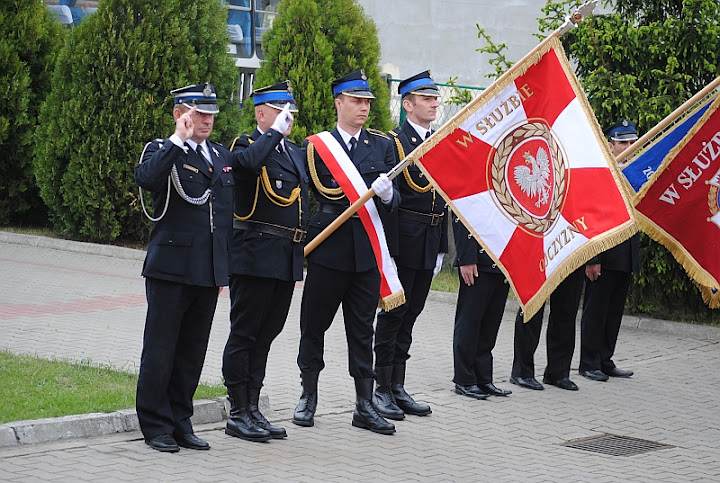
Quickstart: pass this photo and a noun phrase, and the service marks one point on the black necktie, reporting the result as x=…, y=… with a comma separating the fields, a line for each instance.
x=353, y=142
x=281, y=149
x=200, y=152
x=428, y=134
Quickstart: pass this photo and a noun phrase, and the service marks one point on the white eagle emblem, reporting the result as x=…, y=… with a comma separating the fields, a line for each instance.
x=535, y=182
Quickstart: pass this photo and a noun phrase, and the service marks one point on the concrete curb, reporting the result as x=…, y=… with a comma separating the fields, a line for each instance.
x=72, y=246
x=48, y=430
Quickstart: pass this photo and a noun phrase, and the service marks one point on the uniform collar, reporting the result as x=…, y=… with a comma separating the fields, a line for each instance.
x=347, y=136
x=421, y=131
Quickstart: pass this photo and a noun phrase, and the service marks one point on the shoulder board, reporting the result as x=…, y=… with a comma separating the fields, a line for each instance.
x=378, y=133
x=217, y=143
x=159, y=140
x=393, y=133
x=242, y=141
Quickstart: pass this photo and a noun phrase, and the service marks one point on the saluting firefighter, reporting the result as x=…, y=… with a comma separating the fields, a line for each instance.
x=192, y=182
x=609, y=274
x=266, y=259
x=480, y=306
x=423, y=240
x=343, y=269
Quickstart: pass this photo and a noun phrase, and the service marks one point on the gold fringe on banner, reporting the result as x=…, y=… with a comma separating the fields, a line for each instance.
x=691, y=266
x=392, y=301
x=593, y=248
x=711, y=296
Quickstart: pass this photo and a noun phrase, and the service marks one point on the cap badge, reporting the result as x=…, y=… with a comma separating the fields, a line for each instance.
x=207, y=92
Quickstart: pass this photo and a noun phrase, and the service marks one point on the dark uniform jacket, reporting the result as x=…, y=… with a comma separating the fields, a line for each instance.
x=420, y=237
x=624, y=257
x=184, y=246
x=348, y=249
x=263, y=197
x=469, y=251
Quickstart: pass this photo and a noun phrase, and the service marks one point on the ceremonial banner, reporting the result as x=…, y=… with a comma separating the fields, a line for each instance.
x=679, y=206
x=353, y=185
x=640, y=169
x=526, y=168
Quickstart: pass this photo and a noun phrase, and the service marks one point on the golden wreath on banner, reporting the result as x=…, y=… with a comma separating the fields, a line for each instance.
x=528, y=176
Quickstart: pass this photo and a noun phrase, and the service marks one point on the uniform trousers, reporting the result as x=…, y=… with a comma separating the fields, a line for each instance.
x=478, y=315
x=325, y=290
x=258, y=310
x=564, y=303
x=602, y=315
x=393, y=333
x=177, y=329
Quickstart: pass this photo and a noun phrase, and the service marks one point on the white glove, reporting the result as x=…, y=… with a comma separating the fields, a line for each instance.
x=283, y=121
x=438, y=264
x=383, y=187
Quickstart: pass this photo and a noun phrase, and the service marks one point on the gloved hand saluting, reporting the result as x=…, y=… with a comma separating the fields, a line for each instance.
x=383, y=187
x=283, y=121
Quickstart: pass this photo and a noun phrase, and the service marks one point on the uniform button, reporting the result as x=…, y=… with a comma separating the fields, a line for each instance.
x=482, y=250
x=494, y=266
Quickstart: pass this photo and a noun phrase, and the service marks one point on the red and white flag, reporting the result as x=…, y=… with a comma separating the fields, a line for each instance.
x=353, y=185
x=526, y=168
x=679, y=206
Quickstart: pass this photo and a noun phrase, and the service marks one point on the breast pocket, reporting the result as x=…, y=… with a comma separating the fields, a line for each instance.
x=370, y=171
x=281, y=180
x=193, y=183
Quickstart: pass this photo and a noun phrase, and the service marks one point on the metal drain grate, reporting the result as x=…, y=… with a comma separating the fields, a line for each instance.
x=614, y=445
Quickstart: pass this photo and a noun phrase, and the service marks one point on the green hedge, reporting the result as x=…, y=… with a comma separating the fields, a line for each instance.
x=110, y=94
x=29, y=41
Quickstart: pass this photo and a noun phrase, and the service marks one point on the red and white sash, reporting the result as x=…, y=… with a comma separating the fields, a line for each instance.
x=353, y=185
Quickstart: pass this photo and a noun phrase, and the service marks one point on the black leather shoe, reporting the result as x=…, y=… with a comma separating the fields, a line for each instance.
x=276, y=432
x=409, y=405
x=564, y=383
x=383, y=400
x=617, y=372
x=596, y=375
x=190, y=441
x=164, y=443
x=404, y=400
x=470, y=391
x=304, y=414
x=240, y=423
x=365, y=416
x=527, y=383
x=493, y=390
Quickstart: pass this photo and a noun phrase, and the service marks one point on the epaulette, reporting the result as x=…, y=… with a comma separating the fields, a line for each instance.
x=243, y=141
x=378, y=133
x=393, y=133
x=215, y=142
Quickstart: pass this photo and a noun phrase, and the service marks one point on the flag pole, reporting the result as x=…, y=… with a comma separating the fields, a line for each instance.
x=670, y=119
x=583, y=11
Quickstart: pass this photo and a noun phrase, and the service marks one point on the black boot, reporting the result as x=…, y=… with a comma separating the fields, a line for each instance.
x=277, y=432
x=402, y=398
x=384, y=401
x=240, y=424
x=305, y=409
x=365, y=416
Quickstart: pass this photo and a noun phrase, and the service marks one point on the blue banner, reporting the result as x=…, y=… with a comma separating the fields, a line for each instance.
x=640, y=170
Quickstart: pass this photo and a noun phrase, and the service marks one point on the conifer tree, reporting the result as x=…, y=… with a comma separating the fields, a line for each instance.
x=29, y=41
x=110, y=94
x=311, y=43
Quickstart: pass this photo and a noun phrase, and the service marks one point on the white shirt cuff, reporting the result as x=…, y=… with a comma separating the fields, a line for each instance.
x=175, y=139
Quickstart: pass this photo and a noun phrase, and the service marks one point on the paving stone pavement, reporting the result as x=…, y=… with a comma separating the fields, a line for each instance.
x=86, y=307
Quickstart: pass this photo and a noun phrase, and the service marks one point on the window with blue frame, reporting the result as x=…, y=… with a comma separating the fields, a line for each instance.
x=71, y=12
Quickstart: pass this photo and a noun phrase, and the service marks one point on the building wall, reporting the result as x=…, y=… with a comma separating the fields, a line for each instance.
x=441, y=34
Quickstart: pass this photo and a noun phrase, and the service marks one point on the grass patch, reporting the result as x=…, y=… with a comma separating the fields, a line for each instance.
x=446, y=281
x=33, y=388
